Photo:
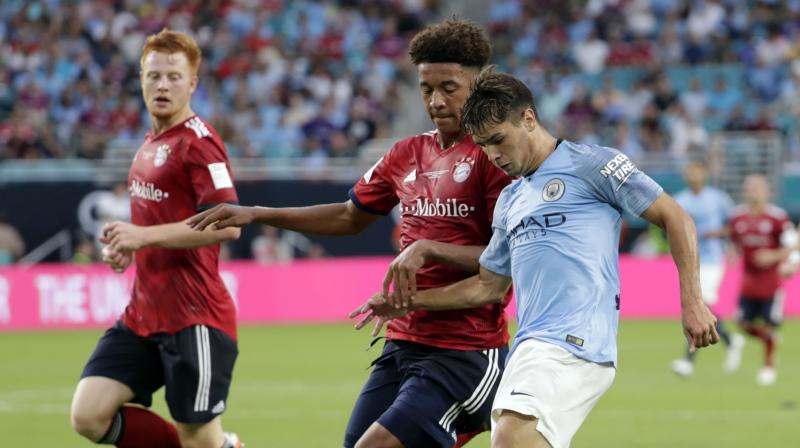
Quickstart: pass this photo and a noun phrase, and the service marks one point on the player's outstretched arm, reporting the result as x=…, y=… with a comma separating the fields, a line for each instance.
x=481, y=289
x=325, y=219
x=403, y=270
x=699, y=324
x=127, y=237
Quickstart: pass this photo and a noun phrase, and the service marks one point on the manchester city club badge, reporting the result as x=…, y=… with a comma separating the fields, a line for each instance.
x=553, y=190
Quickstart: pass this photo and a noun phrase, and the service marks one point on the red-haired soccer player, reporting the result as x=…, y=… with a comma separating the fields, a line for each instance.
x=179, y=330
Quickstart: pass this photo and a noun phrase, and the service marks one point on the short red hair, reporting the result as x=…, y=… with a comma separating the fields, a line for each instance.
x=168, y=41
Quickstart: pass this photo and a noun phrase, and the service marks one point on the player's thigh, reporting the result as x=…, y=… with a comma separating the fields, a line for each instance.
x=514, y=430
x=198, y=367
x=378, y=393
x=547, y=382
x=444, y=392
x=124, y=367
x=98, y=397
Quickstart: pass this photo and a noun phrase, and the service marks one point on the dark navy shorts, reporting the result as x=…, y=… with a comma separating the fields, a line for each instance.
x=195, y=365
x=426, y=395
x=770, y=311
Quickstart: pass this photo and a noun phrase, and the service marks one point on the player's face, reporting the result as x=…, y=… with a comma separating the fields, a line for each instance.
x=507, y=145
x=445, y=88
x=756, y=190
x=695, y=175
x=167, y=83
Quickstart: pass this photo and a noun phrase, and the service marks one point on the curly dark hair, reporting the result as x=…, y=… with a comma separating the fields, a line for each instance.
x=495, y=98
x=454, y=40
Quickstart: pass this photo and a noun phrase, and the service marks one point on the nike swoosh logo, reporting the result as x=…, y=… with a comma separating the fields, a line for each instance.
x=514, y=392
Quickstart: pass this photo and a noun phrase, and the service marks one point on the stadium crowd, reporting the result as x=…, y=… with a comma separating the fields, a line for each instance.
x=655, y=76
x=279, y=78
x=314, y=79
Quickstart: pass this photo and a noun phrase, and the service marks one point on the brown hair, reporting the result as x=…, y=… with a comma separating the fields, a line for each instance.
x=168, y=41
x=452, y=41
x=495, y=98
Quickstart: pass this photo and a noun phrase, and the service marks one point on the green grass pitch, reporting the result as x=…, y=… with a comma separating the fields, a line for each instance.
x=294, y=387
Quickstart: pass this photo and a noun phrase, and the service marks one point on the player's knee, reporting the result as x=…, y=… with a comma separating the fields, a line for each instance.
x=378, y=437
x=511, y=434
x=89, y=424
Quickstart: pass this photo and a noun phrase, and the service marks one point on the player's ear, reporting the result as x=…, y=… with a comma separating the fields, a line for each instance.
x=194, y=82
x=529, y=119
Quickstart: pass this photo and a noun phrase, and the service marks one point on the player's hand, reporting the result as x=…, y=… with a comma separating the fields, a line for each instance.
x=699, y=326
x=123, y=236
x=118, y=261
x=403, y=273
x=222, y=216
x=378, y=308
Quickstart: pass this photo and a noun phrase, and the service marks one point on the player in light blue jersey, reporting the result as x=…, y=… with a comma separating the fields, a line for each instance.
x=710, y=208
x=556, y=234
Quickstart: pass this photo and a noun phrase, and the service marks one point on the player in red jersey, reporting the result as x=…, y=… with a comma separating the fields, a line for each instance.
x=179, y=329
x=761, y=230
x=434, y=383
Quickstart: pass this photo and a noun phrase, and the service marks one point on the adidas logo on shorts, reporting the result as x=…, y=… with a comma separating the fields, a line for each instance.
x=218, y=408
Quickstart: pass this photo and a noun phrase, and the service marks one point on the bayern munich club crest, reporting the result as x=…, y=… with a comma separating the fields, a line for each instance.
x=553, y=190
x=162, y=152
x=462, y=169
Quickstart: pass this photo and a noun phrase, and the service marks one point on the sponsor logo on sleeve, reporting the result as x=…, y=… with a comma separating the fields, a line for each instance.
x=220, y=176
x=620, y=168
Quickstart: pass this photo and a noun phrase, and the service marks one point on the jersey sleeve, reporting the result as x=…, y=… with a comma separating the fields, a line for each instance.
x=617, y=181
x=497, y=255
x=493, y=180
x=727, y=205
x=210, y=173
x=785, y=231
x=374, y=192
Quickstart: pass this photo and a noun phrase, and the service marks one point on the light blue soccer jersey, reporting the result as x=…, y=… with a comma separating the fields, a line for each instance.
x=556, y=233
x=710, y=210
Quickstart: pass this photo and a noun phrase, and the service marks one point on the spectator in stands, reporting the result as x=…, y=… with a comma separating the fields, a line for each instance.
x=84, y=252
x=12, y=247
x=270, y=247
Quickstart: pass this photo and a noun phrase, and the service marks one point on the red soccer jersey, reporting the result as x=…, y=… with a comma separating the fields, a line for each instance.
x=173, y=175
x=753, y=232
x=446, y=195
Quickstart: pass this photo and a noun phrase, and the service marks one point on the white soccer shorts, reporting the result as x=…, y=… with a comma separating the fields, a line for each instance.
x=546, y=381
x=710, y=278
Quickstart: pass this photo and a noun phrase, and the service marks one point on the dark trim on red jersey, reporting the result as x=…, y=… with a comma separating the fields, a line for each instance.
x=354, y=198
x=204, y=207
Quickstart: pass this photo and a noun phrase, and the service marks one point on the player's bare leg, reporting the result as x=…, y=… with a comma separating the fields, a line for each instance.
x=378, y=437
x=515, y=430
x=766, y=375
x=202, y=435
x=94, y=405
